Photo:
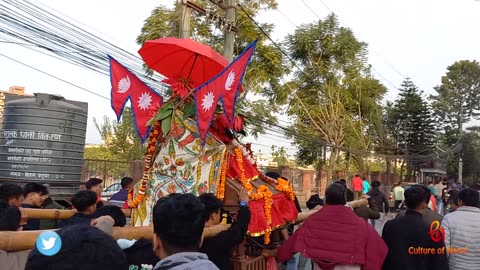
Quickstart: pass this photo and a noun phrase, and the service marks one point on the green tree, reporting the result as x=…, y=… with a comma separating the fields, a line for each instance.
x=266, y=67
x=280, y=155
x=458, y=97
x=412, y=120
x=100, y=152
x=471, y=155
x=334, y=97
x=121, y=138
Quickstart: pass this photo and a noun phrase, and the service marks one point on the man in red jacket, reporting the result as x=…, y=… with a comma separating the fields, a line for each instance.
x=336, y=238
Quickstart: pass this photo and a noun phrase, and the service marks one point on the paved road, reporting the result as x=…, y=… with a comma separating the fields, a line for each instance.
x=380, y=222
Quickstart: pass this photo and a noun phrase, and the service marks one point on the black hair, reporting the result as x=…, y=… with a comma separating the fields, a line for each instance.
x=376, y=183
x=113, y=211
x=343, y=183
x=10, y=191
x=83, y=247
x=9, y=217
x=211, y=203
x=273, y=175
x=415, y=196
x=93, y=182
x=84, y=199
x=336, y=194
x=179, y=220
x=454, y=196
x=350, y=196
x=34, y=188
x=126, y=181
x=469, y=197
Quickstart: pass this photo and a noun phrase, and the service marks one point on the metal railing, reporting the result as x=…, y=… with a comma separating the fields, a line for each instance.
x=111, y=171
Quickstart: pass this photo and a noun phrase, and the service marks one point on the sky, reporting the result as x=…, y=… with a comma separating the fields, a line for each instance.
x=407, y=38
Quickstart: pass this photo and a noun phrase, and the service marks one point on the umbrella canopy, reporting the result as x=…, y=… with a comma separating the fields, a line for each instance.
x=183, y=59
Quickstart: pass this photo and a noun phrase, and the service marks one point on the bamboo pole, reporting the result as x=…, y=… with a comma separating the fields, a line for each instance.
x=23, y=240
x=48, y=213
x=304, y=215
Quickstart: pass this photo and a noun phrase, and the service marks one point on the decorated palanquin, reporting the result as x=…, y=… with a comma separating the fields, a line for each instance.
x=192, y=144
x=179, y=166
x=179, y=163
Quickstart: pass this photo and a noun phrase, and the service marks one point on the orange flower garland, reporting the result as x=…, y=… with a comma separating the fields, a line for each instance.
x=284, y=186
x=243, y=178
x=265, y=193
x=221, y=184
x=152, y=141
x=262, y=192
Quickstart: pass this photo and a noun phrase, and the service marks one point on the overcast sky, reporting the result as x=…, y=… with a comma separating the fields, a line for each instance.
x=413, y=38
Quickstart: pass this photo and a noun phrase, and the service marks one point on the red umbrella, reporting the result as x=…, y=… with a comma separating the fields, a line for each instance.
x=183, y=60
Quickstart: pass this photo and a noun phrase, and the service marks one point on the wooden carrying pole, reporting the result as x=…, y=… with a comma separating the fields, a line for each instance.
x=304, y=215
x=48, y=213
x=16, y=241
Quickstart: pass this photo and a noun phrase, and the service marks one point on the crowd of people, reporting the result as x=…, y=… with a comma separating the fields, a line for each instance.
x=87, y=243
x=336, y=237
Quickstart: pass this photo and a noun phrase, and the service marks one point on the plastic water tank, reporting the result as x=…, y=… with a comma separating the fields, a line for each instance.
x=42, y=140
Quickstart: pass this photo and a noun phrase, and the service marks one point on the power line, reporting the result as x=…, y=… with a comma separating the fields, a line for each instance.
x=314, y=13
x=27, y=23
x=390, y=65
x=55, y=77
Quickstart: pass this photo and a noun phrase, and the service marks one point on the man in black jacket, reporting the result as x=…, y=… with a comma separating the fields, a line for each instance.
x=411, y=242
x=382, y=202
x=219, y=247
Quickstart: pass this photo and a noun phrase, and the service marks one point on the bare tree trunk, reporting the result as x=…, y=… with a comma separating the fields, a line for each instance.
x=347, y=172
x=395, y=166
x=401, y=170
x=388, y=162
x=331, y=165
x=409, y=171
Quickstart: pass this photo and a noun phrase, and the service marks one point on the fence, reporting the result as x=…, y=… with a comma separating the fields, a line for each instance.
x=111, y=171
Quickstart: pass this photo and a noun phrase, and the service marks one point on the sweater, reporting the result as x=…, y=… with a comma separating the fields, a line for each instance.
x=462, y=231
x=186, y=261
x=335, y=235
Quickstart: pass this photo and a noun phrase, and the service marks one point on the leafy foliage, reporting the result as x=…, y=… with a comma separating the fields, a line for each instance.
x=335, y=98
x=458, y=97
x=121, y=141
x=266, y=67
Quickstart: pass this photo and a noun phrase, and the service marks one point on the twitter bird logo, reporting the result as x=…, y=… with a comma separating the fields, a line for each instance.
x=49, y=243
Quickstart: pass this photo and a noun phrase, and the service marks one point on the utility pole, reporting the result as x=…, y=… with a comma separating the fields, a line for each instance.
x=226, y=23
x=229, y=34
x=186, y=12
x=460, y=161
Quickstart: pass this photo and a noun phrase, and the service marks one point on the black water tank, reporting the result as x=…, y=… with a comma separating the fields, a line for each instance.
x=42, y=140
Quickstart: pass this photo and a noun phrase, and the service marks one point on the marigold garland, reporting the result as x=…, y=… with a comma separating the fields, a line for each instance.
x=265, y=193
x=243, y=178
x=221, y=184
x=152, y=141
x=284, y=186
